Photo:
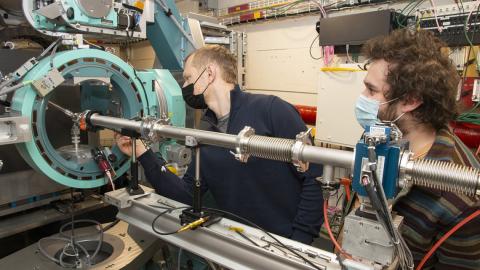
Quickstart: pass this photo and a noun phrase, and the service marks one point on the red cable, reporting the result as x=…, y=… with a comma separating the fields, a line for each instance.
x=327, y=226
x=346, y=182
x=445, y=237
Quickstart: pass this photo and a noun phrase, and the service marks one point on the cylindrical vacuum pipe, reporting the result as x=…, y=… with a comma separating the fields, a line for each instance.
x=428, y=173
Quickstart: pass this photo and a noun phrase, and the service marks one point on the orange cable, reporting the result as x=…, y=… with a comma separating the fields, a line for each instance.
x=327, y=226
x=445, y=237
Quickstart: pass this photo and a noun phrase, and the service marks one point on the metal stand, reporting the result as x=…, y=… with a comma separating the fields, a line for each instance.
x=133, y=187
x=192, y=214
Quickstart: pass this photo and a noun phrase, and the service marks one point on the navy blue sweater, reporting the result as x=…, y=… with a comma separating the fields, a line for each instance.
x=272, y=194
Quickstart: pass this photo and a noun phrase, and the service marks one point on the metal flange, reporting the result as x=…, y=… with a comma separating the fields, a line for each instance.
x=243, y=136
x=302, y=139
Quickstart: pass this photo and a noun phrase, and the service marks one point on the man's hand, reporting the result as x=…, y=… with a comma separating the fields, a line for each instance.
x=124, y=143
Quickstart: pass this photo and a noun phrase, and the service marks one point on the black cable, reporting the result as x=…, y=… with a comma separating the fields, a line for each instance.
x=334, y=193
x=248, y=222
x=163, y=213
x=247, y=238
x=44, y=53
x=331, y=221
x=52, y=55
x=311, y=45
x=339, y=198
x=144, y=91
x=72, y=215
x=378, y=206
x=380, y=193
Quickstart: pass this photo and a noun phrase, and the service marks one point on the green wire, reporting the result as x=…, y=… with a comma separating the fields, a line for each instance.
x=412, y=5
x=466, y=34
x=465, y=29
x=289, y=6
x=470, y=116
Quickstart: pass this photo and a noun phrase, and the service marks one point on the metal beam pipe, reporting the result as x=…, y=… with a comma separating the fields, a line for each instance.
x=440, y=175
x=445, y=176
x=203, y=137
x=166, y=131
x=328, y=173
x=114, y=122
x=334, y=157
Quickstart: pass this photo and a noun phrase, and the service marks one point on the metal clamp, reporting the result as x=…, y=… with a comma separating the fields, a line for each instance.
x=241, y=151
x=406, y=165
x=1, y=165
x=147, y=128
x=191, y=141
x=302, y=139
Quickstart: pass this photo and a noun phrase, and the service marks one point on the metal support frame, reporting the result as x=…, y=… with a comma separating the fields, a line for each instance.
x=217, y=242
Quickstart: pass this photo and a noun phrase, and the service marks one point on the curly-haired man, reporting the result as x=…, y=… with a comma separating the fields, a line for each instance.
x=412, y=82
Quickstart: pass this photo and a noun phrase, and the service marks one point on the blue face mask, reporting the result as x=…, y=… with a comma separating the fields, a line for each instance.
x=366, y=111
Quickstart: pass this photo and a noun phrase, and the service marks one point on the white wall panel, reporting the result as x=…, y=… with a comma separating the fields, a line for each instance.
x=278, y=59
x=337, y=94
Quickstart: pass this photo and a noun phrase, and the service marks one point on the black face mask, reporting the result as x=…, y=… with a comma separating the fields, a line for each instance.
x=194, y=101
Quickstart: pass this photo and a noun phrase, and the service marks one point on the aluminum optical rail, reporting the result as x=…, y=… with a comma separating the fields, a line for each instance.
x=219, y=242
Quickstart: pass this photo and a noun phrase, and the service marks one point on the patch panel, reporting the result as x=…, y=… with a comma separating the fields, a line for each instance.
x=452, y=23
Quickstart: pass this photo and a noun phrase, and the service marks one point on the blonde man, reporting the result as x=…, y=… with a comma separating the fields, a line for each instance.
x=272, y=194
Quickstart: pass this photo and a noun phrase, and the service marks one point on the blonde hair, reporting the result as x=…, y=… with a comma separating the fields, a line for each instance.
x=220, y=56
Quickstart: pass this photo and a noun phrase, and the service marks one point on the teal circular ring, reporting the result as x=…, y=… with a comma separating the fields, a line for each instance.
x=39, y=152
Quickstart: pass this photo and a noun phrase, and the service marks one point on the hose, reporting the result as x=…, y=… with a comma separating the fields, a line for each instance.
x=100, y=232
x=329, y=230
x=72, y=243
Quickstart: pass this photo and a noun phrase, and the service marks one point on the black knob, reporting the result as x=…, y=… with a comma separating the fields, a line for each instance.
x=70, y=13
x=112, y=158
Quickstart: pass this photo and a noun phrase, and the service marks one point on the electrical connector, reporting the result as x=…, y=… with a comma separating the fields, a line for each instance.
x=193, y=225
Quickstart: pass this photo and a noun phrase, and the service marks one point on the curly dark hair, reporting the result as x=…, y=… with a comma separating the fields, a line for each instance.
x=419, y=69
